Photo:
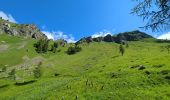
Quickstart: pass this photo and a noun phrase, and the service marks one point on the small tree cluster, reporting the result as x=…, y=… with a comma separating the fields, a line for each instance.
x=73, y=50
x=54, y=47
x=42, y=45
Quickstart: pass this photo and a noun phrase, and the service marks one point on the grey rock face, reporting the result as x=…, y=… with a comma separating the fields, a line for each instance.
x=25, y=30
x=119, y=38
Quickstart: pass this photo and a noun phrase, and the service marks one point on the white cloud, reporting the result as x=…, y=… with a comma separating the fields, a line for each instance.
x=59, y=35
x=101, y=34
x=7, y=17
x=49, y=35
x=165, y=36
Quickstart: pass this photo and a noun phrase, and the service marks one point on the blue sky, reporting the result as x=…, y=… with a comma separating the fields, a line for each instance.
x=73, y=19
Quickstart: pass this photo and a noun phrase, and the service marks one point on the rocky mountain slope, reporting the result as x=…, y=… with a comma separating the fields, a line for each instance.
x=25, y=30
x=121, y=37
x=98, y=72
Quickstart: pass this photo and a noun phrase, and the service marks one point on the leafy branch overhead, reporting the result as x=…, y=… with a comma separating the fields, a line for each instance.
x=157, y=12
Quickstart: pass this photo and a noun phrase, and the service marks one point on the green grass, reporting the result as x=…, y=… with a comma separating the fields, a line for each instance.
x=13, y=55
x=98, y=72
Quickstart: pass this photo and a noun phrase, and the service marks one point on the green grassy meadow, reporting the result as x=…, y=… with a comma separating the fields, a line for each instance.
x=98, y=72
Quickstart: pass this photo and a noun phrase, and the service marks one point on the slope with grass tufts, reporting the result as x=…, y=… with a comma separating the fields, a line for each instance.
x=98, y=72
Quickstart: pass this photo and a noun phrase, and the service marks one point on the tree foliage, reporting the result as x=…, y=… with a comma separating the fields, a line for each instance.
x=42, y=45
x=157, y=12
x=73, y=49
x=54, y=47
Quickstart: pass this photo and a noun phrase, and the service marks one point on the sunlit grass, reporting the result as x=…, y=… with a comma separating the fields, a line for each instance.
x=98, y=72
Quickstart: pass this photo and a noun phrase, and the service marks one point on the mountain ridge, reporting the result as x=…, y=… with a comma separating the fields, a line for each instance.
x=97, y=72
x=119, y=38
x=25, y=30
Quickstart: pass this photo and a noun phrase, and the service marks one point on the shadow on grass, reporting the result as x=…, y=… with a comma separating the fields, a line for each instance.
x=115, y=56
x=25, y=83
x=3, y=86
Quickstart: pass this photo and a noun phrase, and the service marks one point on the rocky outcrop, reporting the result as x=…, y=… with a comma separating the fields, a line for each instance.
x=119, y=38
x=85, y=40
x=108, y=38
x=131, y=36
x=25, y=30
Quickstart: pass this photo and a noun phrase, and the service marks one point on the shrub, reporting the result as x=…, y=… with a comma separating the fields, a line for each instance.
x=141, y=67
x=147, y=72
x=37, y=71
x=78, y=48
x=164, y=72
x=12, y=74
x=42, y=45
x=54, y=47
x=121, y=49
x=56, y=74
x=167, y=77
x=55, y=44
x=159, y=66
x=73, y=50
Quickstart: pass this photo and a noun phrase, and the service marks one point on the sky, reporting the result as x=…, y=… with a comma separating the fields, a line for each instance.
x=74, y=19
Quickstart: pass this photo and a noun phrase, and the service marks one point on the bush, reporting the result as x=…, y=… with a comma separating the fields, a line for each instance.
x=159, y=65
x=78, y=49
x=42, y=45
x=37, y=71
x=54, y=47
x=73, y=50
x=12, y=74
x=121, y=49
x=55, y=44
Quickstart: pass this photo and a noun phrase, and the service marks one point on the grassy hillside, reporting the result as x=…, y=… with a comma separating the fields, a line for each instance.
x=98, y=72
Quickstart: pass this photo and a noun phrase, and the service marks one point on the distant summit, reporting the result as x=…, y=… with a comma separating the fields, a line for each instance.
x=25, y=30
x=131, y=36
x=126, y=36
